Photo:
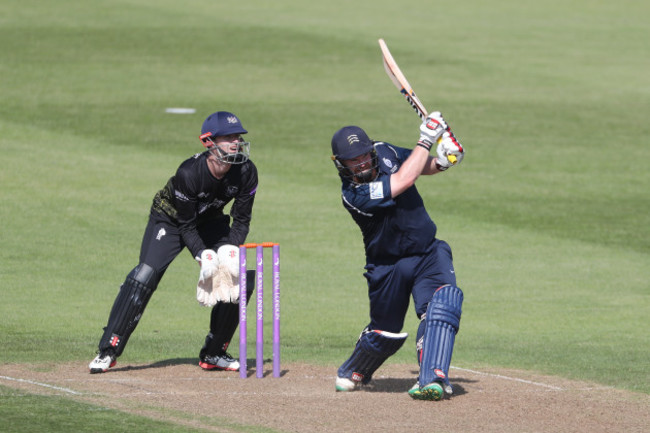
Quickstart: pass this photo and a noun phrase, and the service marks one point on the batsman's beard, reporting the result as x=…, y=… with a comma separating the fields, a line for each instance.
x=366, y=176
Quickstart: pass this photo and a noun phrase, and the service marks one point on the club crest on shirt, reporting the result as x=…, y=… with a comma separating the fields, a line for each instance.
x=388, y=163
x=376, y=190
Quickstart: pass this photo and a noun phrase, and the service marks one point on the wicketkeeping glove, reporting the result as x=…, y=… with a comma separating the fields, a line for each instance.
x=432, y=129
x=208, y=264
x=226, y=280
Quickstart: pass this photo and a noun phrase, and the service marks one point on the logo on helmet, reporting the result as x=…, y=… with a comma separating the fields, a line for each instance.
x=353, y=139
x=231, y=119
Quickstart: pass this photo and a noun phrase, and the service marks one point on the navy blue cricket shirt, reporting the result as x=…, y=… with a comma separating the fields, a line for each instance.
x=392, y=227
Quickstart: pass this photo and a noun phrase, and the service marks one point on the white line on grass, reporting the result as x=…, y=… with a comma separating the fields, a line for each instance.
x=41, y=384
x=509, y=378
x=499, y=376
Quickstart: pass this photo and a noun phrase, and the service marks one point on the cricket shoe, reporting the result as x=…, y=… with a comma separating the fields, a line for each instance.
x=343, y=384
x=446, y=386
x=432, y=391
x=102, y=362
x=219, y=362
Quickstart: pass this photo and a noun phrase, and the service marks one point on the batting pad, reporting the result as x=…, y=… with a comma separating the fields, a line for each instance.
x=442, y=324
x=372, y=349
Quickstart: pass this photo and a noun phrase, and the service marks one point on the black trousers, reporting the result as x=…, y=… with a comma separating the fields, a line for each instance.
x=161, y=244
x=162, y=241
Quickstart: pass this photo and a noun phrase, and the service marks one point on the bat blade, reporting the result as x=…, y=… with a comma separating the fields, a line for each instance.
x=397, y=77
x=399, y=80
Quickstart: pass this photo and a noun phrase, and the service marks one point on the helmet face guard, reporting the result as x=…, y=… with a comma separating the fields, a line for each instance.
x=365, y=176
x=239, y=156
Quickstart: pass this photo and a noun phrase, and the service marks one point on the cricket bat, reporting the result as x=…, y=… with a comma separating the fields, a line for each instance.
x=402, y=84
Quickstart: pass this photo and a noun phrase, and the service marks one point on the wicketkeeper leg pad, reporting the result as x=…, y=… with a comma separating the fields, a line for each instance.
x=372, y=349
x=128, y=307
x=442, y=322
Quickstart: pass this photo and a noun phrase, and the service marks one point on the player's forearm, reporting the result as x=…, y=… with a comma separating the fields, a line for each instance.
x=431, y=167
x=409, y=172
x=192, y=240
x=241, y=213
x=238, y=233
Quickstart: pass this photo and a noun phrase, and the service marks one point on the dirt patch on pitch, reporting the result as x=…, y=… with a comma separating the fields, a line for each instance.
x=304, y=400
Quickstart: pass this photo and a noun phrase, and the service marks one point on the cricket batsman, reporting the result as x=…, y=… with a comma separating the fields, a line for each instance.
x=404, y=258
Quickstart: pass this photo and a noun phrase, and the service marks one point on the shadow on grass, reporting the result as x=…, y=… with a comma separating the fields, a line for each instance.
x=157, y=364
x=191, y=361
x=401, y=385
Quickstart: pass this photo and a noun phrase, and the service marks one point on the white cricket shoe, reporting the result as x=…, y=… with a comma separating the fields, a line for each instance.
x=219, y=362
x=101, y=363
x=344, y=384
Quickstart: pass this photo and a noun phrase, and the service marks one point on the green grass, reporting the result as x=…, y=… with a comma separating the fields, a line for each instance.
x=22, y=412
x=548, y=216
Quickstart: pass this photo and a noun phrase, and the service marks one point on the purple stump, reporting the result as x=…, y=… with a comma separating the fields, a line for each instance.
x=260, y=312
x=243, y=368
x=276, y=310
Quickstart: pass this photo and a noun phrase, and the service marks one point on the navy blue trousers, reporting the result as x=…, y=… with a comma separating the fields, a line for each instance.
x=390, y=287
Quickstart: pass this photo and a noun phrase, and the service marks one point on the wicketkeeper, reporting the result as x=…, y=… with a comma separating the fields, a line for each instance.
x=188, y=213
x=404, y=258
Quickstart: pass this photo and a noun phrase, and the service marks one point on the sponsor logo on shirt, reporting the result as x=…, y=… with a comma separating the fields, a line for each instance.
x=215, y=203
x=179, y=195
x=376, y=190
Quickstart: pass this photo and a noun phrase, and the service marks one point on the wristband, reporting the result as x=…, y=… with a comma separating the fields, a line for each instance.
x=425, y=144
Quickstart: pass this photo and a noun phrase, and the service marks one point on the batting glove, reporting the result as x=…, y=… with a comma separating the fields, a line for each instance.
x=432, y=129
x=449, y=151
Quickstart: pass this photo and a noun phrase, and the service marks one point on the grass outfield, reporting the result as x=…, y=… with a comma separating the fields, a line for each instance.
x=548, y=216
